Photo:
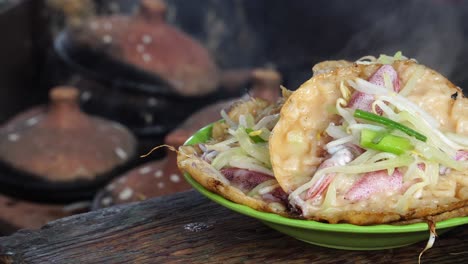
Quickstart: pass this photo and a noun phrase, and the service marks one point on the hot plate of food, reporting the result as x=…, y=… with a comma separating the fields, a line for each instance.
x=365, y=155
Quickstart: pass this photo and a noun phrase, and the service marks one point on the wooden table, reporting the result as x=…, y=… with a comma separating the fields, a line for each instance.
x=188, y=228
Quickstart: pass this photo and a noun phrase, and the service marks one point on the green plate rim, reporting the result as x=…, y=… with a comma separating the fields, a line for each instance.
x=205, y=133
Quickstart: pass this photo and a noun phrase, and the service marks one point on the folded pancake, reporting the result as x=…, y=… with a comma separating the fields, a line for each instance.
x=376, y=141
x=235, y=163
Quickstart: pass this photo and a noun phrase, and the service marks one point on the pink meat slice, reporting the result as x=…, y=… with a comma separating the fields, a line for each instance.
x=339, y=158
x=364, y=101
x=375, y=182
x=461, y=155
x=244, y=179
x=378, y=77
x=277, y=195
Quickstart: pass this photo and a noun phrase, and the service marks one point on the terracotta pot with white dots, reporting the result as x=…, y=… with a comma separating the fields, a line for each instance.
x=155, y=178
x=142, y=71
x=146, y=41
x=57, y=150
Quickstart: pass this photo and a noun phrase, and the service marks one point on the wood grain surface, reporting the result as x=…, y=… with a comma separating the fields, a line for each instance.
x=188, y=228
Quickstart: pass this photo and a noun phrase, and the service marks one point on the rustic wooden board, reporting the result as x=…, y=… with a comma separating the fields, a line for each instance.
x=188, y=228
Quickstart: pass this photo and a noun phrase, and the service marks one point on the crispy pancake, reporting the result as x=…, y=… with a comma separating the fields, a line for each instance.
x=240, y=185
x=298, y=152
x=189, y=161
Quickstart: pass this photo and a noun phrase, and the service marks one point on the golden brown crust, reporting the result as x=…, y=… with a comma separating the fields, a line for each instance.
x=438, y=213
x=459, y=212
x=213, y=180
x=328, y=66
x=305, y=114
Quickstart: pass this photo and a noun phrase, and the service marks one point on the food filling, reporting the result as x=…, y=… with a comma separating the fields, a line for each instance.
x=242, y=156
x=386, y=153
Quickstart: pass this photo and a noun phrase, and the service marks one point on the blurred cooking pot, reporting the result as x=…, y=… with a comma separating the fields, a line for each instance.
x=147, y=42
x=141, y=71
x=60, y=153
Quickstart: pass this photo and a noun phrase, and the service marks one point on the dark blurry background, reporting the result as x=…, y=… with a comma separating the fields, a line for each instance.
x=288, y=35
x=293, y=35
x=240, y=35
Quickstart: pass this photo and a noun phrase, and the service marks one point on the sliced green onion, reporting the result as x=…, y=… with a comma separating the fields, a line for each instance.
x=388, y=143
x=388, y=123
x=380, y=135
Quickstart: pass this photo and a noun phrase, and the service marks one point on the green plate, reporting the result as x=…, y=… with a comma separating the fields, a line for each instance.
x=341, y=236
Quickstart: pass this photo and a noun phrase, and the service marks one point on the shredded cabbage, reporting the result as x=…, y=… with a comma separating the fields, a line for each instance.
x=227, y=119
x=224, y=157
x=246, y=121
x=257, y=150
x=239, y=150
x=221, y=146
x=262, y=185
x=383, y=59
x=249, y=163
x=267, y=122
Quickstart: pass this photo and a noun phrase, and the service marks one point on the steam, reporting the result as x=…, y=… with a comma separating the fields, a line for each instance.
x=429, y=31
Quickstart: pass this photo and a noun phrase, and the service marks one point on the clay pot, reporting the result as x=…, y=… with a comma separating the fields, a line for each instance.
x=59, y=146
x=149, y=180
x=64, y=144
x=163, y=177
x=142, y=68
x=147, y=42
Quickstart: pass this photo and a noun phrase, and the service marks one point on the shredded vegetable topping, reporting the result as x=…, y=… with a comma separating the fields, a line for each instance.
x=389, y=123
x=246, y=144
x=382, y=59
x=397, y=137
x=431, y=240
x=386, y=157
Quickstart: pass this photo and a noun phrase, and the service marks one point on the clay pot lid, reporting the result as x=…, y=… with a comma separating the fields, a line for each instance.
x=60, y=143
x=152, y=179
x=146, y=41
